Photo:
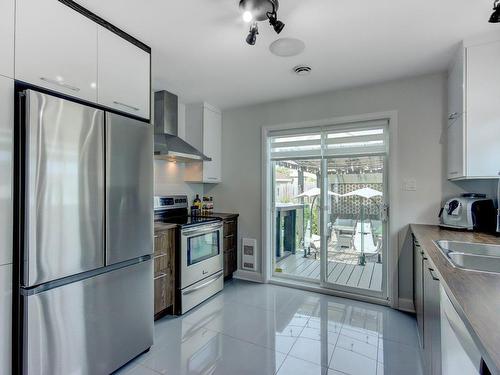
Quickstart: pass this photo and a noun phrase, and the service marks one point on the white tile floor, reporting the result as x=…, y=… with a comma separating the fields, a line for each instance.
x=264, y=329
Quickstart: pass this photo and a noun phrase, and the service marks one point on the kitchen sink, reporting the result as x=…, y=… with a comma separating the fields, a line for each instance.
x=471, y=256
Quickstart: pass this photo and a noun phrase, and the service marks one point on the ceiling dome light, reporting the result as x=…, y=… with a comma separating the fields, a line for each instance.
x=495, y=16
x=252, y=35
x=286, y=47
x=247, y=16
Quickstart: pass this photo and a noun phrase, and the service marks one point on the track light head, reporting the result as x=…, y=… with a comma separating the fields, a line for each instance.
x=252, y=35
x=495, y=16
x=275, y=23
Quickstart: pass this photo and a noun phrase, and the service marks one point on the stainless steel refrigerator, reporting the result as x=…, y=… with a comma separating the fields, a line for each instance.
x=85, y=268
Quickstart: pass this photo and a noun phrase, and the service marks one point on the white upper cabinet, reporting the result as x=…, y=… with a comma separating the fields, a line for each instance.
x=483, y=110
x=474, y=114
x=212, y=139
x=204, y=131
x=124, y=74
x=56, y=48
x=7, y=38
x=6, y=151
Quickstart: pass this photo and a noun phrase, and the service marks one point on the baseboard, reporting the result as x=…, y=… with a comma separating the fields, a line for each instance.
x=248, y=276
x=406, y=304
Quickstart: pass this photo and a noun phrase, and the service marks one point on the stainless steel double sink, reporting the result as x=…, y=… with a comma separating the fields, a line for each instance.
x=471, y=256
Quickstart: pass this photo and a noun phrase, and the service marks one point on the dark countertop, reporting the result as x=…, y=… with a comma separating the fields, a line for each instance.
x=161, y=226
x=475, y=295
x=224, y=216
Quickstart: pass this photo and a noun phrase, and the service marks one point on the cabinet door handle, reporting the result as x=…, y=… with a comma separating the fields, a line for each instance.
x=160, y=276
x=434, y=277
x=229, y=236
x=62, y=84
x=453, y=116
x=126, y=105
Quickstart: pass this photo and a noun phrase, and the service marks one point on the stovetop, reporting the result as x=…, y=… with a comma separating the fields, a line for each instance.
x=173, y=209
x=188, y=221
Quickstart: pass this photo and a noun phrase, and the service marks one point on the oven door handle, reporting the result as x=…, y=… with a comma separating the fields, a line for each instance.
x=205, y=284
x=204, y=230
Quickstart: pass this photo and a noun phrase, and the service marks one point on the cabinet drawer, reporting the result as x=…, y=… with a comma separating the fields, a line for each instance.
x=56, y=48
x=162, y=263
x=230, y=227
x=229, y=241
x=230, y=265
x=160, y=281
x=164, y=242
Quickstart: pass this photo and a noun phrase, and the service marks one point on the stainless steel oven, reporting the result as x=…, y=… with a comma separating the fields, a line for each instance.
x=201, y=252
x=200, y=263
x=201, y=266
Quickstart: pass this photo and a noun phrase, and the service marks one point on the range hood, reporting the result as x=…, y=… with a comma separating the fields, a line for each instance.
x=167, y=144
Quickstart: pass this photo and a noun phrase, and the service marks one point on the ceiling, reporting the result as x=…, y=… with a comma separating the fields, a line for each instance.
x=199, y=49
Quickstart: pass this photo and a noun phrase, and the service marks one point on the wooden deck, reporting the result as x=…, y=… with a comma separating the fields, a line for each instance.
x=346, y=272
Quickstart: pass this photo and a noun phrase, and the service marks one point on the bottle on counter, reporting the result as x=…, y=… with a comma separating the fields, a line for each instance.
x=205, y=206
x=211, y=205
x=197, y=201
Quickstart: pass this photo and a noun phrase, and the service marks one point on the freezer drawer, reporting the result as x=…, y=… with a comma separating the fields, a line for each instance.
x=64, y=179
x=93, y=326
x=129, y=188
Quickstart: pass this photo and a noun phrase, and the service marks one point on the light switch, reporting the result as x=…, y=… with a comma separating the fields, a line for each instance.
x=409, y=184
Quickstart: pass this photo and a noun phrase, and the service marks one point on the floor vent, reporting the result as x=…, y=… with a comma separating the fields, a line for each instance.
x=249, y=258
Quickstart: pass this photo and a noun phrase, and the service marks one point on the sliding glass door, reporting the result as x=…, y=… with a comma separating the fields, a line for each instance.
x=329, y=189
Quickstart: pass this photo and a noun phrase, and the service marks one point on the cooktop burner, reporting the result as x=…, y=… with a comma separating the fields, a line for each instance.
x=188, y=221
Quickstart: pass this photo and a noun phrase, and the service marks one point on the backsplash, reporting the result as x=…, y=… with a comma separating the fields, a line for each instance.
x=169, y=179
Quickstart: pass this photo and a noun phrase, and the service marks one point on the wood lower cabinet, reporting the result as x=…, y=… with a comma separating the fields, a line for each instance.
x=230, y=246
x=164, y=272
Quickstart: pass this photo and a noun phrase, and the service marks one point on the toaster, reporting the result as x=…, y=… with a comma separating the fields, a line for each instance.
x=469, y=212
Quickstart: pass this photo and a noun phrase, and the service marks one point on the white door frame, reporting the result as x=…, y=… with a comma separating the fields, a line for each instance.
x=393, y=199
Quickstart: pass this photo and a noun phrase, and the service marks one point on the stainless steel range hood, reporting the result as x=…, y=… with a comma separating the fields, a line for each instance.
x=167, y=144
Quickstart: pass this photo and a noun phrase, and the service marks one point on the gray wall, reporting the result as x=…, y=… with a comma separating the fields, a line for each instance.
x=421, y=106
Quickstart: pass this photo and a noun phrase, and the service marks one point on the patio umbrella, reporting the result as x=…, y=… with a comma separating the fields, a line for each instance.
x=366, y=193
x=313, y=193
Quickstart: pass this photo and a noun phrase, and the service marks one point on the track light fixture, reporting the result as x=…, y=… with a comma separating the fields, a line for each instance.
x=273, y=20
x=495, y=16
x=260, y=10
x=252, y=35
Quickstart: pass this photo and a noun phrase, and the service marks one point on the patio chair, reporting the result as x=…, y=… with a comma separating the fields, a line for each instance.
x=345, y=230
x=315, y=241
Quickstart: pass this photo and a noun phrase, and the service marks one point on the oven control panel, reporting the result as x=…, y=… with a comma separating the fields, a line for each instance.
x=169, y=202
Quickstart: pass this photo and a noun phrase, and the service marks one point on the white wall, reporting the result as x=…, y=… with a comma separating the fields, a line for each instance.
x=421, y=106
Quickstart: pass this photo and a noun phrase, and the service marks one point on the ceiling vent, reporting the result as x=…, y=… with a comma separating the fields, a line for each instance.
x=302, y=70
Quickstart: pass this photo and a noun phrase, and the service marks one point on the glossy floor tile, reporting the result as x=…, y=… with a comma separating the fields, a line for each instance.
x=265, y=329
